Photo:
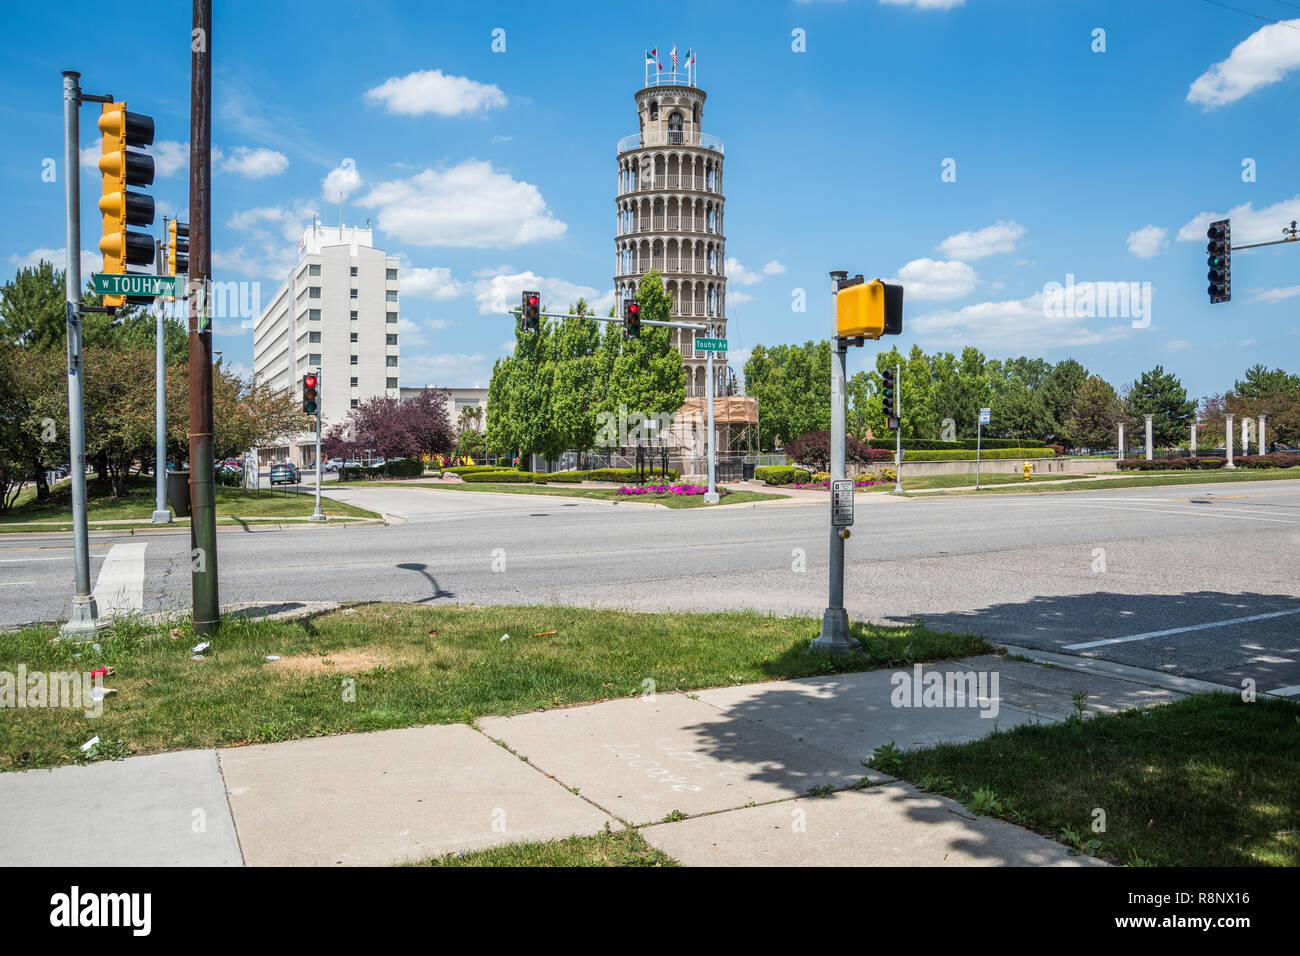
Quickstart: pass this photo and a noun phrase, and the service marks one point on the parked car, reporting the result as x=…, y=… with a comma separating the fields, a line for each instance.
x=285, y=473
x=334, y=464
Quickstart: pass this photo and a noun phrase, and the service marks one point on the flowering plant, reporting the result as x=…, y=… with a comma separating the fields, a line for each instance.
x=666, y=490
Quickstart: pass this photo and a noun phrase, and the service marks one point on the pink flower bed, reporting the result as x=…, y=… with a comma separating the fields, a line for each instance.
x=826, y=485
x=666, y=490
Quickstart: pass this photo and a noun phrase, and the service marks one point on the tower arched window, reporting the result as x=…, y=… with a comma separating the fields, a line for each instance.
x=654, y=111
x=695, y=117
x=675, y=122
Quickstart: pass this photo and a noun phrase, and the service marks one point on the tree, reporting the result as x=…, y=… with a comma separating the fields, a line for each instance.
x=1162, y=395
x=792, y=385
x=426, y=421
x=646, y=375
x=32, y=311
x=580, y=382
x=469, y=444
x=1095, y=413
x=814, y=450
x=1260, y=381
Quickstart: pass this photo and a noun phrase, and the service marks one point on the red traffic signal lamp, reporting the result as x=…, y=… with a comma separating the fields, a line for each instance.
x=531, y=307
x=1219, y=260
x=311, y=394
x=632, y=318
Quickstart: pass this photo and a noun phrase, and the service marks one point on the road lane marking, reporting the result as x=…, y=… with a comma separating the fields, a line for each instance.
x=119, y=589
x=1285, y=691
x=1179, y=630
x=1190, y=512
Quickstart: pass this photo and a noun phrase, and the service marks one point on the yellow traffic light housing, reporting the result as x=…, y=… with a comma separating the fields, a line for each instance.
x=120, y=205
x=178, y=248
x=869, y=310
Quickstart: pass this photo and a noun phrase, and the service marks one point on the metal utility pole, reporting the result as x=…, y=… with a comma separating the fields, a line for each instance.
x=835, y=636
x=318, y=515
x=84, y=616
x=898, y=428
x=161, y=514
x=711, y=496
x=203, y=510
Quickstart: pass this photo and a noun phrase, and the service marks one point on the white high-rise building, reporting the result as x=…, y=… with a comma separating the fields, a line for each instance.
x=337, y=313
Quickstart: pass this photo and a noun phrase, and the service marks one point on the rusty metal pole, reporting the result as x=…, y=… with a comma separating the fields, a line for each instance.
x=203, y=506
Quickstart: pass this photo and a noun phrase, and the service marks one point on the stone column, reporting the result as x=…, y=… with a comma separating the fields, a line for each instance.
x=1148, y=418
x=1193, y=447
x=1121, y=439
x=1229, y=441
x=1246, y=426
x=1263, y=445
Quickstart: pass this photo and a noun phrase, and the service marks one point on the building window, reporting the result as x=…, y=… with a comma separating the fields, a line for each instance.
x=392, y=274
x=654, y=110
x=355, y=403
x=392, y=317
x=353, y=293
x=313, y=359
x=392, y=295
x=674, y=127
x=354, y=270
x=392, y=383
x=352, y=316
x=354, y=336
x=313, y=338
x=313, y=315
x=392, y=361
x=354, y=360
x=313, y=292
x=391, y=339
x=354, y=381
x=313, y=270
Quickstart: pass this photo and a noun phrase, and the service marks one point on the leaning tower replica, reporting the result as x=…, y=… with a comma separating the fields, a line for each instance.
x=670, y=214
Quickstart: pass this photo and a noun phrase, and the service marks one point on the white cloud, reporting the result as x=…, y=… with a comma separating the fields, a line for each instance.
x=467, y=205
x=999, y=237
x=432, y=91
x=1245, y=342
x=1148, y=241
x=272, y=261
x=1177, y=345
x=924, y=4
x=1017, y=326
x=1248, y=224
x=738, y=274
x=935, y=279
x=343, y=180
x=736, y=297
x=500, y=293
x=288, y=221
x=255, y=163
x=442, y=368
x=1264, y=57
x=410, y=333
x=439, y=325
x=435, y=283
x=508, y=346
x=170, y=157
x=773, y=268
x=91, y=261
x=1276, y=295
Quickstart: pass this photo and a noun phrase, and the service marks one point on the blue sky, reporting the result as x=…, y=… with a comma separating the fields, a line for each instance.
x=491, y=171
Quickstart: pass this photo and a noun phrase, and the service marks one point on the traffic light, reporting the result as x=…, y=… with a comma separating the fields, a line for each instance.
x=632, y=318
x=869, y=310
x=887, y=393
x=178, y=247
x=120, y=204
x=1219, y=259
x=311, y=393
x=532, y=311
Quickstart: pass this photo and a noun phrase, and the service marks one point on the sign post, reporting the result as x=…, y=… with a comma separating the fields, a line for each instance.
x=985, y=418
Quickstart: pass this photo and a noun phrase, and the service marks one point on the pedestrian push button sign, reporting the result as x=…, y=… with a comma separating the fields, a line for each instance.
x=841, y=502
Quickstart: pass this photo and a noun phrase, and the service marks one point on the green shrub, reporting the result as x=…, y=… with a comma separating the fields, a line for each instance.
x=969, y=454
x=405, y=468
x=782, y=474
x=927, y=444
x=500, y=477
x=629, y=474
x=229, y=478
x=354, y=473
x=820, y=476
x=471, y=469
x=560, y=476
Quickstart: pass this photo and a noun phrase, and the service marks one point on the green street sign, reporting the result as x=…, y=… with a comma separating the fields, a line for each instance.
x=710, y=345
x=111, y=283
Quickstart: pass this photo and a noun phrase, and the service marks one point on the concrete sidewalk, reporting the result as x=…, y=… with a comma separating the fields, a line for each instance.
x=738, y=763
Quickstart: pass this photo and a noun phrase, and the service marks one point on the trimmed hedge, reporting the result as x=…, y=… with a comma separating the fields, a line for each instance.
x=564, y=477
x=629, y=474
x=361, y=473
x=1277, y=459
x=969, y=455
x=782, y=474
x=927, y=444
x=1171, y=464
x=471, y=469
x=508, y=477
x=406, y=468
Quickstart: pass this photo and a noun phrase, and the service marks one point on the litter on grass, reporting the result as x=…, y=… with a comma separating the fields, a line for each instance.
x=272, y=657
x=505, y=637
x=201, y=646
x=85, y=748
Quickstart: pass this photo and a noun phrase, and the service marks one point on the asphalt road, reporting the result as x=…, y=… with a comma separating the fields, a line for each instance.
x=1198, y=580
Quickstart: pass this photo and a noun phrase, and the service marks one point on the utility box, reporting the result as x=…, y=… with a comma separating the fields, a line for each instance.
x=178, y=492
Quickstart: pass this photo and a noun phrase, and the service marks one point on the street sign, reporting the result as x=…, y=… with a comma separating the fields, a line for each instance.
x=891, y=422
x=112, y=283
x=985, y=416
x=841, y=502
x=710, y=345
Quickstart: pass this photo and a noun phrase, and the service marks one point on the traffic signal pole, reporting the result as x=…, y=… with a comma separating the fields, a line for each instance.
x=835, y=636
x=711, y=497
x=84, y=616
x=318, y=515
x=203, y=511
x=161, y=515
x=898, y=429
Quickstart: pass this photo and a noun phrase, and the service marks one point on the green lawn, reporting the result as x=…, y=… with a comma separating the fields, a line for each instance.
x=625, y=848
x=1206, y=781
x=135, y=508
x=1142, y=480
x=412, y=665
x=922, y=482
x=573, y=491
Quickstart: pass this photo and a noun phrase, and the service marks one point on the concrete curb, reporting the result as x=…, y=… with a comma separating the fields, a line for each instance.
x=1124, y=672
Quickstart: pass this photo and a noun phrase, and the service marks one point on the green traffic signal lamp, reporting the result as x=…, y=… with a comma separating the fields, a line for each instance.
x=1219, y=260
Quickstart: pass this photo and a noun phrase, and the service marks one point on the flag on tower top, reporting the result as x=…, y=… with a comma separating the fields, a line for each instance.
x=650, y=57
x=690, y=57
x=674, y=56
